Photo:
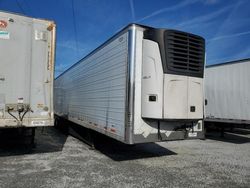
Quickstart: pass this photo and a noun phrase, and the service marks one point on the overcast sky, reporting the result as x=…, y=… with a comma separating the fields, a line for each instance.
x=225, y=24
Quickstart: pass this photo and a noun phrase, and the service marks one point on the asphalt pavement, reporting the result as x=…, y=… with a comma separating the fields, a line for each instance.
x=60, y=160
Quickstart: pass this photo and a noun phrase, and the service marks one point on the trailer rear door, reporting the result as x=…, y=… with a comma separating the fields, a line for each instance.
x=26, y=68
x=15, y=57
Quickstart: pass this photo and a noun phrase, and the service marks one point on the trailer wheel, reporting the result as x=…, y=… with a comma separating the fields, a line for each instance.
x=28, y=137
x=33, y=133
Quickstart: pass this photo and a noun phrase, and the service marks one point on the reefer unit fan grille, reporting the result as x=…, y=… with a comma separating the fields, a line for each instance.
x=184, y=53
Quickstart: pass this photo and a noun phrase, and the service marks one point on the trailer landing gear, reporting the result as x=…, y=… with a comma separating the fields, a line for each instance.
x=28, y=136
x=33, y=132
x=83, y=134
x=75, y=130
x=222, y=132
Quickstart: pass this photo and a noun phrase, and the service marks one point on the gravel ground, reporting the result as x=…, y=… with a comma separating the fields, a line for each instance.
x=63, y=161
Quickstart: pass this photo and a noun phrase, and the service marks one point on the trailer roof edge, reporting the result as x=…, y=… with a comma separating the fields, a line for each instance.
x=229, y=62
x=24, y=15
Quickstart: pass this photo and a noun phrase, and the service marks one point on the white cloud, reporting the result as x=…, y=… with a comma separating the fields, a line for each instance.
x=243, y=54
x=131, y=3
x=172, y=8
x=227, y=22
x=67, y=44
x=205, y=18
x=229, y=36
x=210, y=2
x=221, y=53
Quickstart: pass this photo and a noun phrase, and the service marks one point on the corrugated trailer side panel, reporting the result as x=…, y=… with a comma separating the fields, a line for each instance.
x=227, y=91
x=93, y=92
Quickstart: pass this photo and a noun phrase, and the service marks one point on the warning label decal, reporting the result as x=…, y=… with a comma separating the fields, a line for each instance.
x=4, y=35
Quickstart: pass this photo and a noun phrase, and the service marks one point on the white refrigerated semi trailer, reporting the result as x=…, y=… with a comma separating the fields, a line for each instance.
x=26, y=71
x=227, y=93
x=142, y=85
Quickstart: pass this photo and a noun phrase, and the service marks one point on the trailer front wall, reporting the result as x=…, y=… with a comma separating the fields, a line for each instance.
x=93, y=92
x=227, y=91
x=153, y=130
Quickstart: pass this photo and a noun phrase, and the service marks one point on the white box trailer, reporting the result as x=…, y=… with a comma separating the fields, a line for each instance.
x=142, y=85
x=27, y=47
x=227, y=92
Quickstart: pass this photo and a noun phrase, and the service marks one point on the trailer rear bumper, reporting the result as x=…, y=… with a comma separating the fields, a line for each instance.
x=36, y=122
x=173, y=136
